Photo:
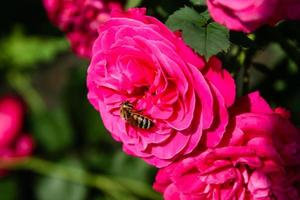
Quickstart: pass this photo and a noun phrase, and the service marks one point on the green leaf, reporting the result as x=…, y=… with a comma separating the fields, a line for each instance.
x=204, y=37
x=48, y=188
x=185, y=16
x=22, y=51
x=198, y=2
x=132, y=3
x=212, y=39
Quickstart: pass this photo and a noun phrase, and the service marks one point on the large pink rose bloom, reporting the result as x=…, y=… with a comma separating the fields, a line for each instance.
x=244, y=15
x=258, y=159
x=138, y=59
x=80, y=19
x=254, y=116
x=14, y=145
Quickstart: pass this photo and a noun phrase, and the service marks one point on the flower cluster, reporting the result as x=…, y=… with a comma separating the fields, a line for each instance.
x=248, y=15
x=206, y=145
x=177, y=111
x=80, y=19
x=14, y=144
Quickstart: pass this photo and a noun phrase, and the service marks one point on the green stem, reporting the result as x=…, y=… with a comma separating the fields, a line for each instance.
x=240, y=75
x=115, y=188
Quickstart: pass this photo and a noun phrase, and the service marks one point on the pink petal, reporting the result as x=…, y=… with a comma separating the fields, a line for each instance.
x=253, y=103
x=215, y=133
x=221, y=79
x=11, y=120
x=259, y=185
x=171, y=147
x=171, y=193
x=204, y=93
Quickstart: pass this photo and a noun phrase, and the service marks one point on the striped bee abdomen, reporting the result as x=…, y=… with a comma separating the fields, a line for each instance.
x=141, y=121
x=133, y=117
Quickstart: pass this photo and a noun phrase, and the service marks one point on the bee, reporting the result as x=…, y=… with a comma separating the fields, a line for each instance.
x=133, y=117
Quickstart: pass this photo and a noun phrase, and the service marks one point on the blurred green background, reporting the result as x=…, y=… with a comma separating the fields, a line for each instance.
x=75, y=157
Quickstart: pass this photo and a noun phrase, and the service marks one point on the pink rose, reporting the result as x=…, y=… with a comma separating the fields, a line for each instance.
x=257, y=159
x=80, y=19
x=244, y=15
x=11, y=120
x=253, y=116
x=13, y=144
x=138, y=59
x=223, y=173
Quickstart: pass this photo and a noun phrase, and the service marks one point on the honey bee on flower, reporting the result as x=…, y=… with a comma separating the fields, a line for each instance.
x=133, y=117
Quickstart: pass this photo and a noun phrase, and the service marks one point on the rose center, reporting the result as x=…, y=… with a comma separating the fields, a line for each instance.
x=140, y=91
